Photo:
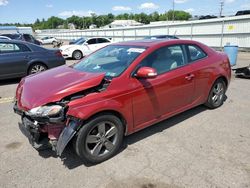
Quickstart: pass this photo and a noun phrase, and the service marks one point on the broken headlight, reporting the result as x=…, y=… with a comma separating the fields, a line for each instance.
x=45, y=111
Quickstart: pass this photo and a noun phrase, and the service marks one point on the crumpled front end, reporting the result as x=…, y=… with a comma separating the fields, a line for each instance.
x=47, y=131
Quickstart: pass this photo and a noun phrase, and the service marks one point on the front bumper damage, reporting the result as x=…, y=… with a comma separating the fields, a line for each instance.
x=46, y=134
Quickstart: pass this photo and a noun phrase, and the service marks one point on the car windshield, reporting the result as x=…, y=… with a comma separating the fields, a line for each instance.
x=111, y=60
x=80, y=41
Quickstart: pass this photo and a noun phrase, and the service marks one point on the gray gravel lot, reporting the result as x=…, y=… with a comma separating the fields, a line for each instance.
x=198, y=148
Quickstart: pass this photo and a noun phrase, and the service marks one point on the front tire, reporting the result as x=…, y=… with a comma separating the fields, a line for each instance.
x=77, y=54
x=217, y=94
x=99, y=139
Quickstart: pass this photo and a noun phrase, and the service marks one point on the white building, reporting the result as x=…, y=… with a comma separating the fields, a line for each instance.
x=123, y=23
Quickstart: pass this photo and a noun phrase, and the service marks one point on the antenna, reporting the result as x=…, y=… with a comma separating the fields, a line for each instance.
x=221, y=7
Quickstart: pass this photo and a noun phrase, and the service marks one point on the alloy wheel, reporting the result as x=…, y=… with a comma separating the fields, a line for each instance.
x=218, y=94
x=37, y=68
x=101, y=139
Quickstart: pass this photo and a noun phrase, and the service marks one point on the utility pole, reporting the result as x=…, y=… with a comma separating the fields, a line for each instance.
x=173, y=10
x=221, y=7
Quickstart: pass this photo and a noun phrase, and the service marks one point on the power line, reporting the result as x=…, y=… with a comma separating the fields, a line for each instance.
x=221, y=7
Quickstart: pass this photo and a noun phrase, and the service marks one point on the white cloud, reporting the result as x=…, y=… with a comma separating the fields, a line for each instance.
x=180, y=1
x=80, y=13
x=148, y=6
x=229, y=1
x=3, y=2
x=245, y=6
x=121, y=8
x=189, y=10
x=49, y=6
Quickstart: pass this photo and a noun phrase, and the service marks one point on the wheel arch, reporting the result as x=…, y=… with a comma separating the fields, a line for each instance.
x=33, y=63
x=222, y=77
x=109, y=112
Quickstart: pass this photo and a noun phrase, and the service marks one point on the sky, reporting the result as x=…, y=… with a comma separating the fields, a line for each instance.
x=27, y=11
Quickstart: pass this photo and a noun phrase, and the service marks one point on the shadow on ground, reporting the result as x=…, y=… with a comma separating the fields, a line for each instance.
x=10, y=81
x=71, y=160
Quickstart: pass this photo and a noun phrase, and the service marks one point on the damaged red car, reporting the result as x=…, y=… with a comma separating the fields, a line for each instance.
x=118, y=90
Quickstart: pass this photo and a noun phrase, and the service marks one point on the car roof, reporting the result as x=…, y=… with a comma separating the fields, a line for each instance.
x=14, y=41
x=155, y=42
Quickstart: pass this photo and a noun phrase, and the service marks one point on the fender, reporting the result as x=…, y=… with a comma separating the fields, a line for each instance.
x=84, y=112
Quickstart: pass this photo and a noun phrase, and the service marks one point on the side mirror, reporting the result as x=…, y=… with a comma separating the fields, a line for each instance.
x=146, y=72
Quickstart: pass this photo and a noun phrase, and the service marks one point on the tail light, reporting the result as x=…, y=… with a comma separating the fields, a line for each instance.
x=58, y=53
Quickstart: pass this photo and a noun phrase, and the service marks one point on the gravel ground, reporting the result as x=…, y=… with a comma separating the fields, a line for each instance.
x=198, y=148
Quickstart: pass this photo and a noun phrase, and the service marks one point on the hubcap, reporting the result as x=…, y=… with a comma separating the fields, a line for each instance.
x=218, y=93
x=37, y=68
x=77, y=55
x=101, y=139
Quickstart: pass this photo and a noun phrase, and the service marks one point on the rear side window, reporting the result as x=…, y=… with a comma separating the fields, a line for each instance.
x=102, y=40
x=23, y=48
x=92, y=41
x=195, y=53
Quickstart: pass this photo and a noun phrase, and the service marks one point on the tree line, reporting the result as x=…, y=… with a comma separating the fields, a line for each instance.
x=102, y=20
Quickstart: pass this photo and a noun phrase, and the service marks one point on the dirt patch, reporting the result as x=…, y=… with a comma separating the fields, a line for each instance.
x=13, y=145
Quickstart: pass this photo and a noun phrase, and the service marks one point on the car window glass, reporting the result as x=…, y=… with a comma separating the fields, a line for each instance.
x=91, y=41
x=8, y=48
x=195, y=53
x=28, y=38
x=23, y=48
x=102, y=40
x=111, y=60
x=165, y=59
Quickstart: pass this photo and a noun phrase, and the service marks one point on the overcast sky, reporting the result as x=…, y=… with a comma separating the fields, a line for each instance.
x=26, y=11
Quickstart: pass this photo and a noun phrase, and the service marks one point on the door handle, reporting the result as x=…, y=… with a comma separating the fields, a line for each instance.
x=189, y=77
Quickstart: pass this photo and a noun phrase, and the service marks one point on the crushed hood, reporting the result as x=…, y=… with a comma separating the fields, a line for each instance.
x=53, y=85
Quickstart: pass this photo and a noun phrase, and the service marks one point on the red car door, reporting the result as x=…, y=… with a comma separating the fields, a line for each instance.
x=169, y=92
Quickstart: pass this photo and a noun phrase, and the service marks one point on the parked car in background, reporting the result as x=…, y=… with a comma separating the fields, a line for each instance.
x=242, y=12
x=23, y=37
x=18, y=59
x=207, y=17
x=78, y=41
x=48, y=40
x=116, y=91
x=78, y=51
x=161, y=37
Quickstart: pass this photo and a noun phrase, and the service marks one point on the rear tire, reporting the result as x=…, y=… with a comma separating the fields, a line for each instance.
x=217, y=94
x=36, y=68
x=77, y=54
x=99, y=139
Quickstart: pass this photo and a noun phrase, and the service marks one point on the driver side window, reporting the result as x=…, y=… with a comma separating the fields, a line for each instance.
x=165, y=59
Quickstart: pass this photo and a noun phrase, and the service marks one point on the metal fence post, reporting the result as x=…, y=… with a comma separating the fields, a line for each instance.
x=191, y=31
x=222, y=34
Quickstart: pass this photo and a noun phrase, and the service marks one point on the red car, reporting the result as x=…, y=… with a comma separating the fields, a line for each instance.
x=118, y=90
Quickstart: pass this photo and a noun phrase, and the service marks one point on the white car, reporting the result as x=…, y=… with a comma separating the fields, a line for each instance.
x=79, y=50
x=48, y=40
